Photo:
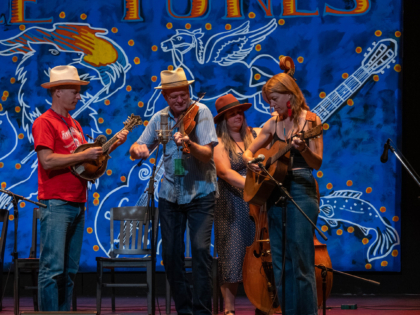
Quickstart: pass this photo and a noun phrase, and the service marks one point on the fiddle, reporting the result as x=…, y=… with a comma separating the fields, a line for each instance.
x=186, y=122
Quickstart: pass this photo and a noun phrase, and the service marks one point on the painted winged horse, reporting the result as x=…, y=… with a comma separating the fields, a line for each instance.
x=224, y=55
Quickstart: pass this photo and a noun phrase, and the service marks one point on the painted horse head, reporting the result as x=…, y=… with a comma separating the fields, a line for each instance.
x=183, y=41
x=98, y=59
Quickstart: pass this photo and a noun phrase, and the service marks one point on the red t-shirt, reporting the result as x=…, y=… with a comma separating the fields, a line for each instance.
x=49, y=130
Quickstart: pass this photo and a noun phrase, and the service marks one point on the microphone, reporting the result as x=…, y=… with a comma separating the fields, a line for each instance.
x=164, y=130
x=259, y=158
x=384, y=156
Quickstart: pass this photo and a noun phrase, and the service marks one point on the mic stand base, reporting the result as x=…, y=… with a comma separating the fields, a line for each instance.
x=324, y=272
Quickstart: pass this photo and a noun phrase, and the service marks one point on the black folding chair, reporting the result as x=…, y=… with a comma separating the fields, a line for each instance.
x=132, y=240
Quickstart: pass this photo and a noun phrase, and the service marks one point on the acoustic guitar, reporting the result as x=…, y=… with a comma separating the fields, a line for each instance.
x=93, y=169
x=258, y=186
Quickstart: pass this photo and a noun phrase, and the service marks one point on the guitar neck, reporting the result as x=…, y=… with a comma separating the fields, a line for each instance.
x=343, y=92
x=111, y=141
x=282, y=152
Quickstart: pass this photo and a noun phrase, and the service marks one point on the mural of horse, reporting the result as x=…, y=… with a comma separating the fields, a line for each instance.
x=232, y=49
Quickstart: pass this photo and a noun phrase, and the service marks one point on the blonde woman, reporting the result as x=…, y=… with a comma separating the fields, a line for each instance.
x=284, y=95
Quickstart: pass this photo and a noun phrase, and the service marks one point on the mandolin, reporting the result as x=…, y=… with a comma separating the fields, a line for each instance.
x=258, y=186
x=93, y=169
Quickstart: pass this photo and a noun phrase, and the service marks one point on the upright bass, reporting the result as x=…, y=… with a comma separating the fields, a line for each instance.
x=257, y=271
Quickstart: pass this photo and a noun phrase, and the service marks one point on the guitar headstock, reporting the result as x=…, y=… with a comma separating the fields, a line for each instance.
x=132, y=122
x=378, y=58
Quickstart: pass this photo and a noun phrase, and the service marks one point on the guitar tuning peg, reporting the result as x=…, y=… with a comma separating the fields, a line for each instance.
x=382, y=72
x=374, y=43
x=388, y=66
x=369, y=49
x=365, y=54
x=394, y=61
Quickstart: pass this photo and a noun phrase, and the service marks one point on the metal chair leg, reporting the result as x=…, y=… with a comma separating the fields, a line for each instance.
x=113, y=289
x=16, y=289
x=99, y=273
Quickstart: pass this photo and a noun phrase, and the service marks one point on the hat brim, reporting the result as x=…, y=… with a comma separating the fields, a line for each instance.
x=49, y=85
x=245, y=106
x=169, y=86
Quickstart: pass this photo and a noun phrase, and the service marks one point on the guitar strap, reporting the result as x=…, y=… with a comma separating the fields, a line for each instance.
x=311, y=117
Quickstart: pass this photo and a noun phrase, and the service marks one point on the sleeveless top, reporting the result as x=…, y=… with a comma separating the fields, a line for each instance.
x=296, y=158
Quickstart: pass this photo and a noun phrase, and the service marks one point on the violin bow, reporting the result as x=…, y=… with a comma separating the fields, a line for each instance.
x=178, y=123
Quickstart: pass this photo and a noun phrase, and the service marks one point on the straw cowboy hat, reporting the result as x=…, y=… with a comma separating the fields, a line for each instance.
x=63, y=75
x=226, y=103
x=170, y=79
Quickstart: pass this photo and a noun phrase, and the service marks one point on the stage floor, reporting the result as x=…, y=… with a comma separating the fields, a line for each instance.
x=366, y=305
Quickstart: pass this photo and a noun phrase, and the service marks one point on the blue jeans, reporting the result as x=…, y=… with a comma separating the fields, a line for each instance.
x=301, y=297
x=173, y=218
x=62, y=224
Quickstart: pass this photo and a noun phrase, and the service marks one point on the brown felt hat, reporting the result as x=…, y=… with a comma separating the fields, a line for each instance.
x=226, y=103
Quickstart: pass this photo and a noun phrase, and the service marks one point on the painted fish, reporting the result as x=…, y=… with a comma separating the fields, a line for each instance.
x=348, y=207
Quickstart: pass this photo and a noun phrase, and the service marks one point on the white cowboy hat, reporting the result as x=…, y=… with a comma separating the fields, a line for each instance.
x=63, y=75
x=172, y=79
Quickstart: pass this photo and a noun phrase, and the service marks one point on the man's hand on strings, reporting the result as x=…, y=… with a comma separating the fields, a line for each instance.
x=139, y=151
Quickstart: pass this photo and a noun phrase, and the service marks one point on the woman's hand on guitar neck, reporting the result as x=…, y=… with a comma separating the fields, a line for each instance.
x=299, y=144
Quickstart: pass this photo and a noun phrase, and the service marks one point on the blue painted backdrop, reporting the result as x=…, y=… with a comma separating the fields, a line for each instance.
x=347, y=56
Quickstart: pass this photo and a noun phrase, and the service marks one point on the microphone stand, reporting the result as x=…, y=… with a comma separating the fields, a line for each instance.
x=150, y=216
x=15, y=201
x=324, y=272
x=407, y=165
x=283, y=203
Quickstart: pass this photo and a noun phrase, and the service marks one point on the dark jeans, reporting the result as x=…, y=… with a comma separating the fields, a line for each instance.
x=62, y=225
x=173, y=218
x=301, y=298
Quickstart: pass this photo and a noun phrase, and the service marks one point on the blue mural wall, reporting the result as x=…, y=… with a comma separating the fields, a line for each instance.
x=348, y=65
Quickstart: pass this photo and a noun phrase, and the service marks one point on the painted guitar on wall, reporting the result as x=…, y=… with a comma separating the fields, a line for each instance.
x=376, y=61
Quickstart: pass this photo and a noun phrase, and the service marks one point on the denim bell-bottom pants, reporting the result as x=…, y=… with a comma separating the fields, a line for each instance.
x=62, y=225
x=173, y=218
x=301, y=297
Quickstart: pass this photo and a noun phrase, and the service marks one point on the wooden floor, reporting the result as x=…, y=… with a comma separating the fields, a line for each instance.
x=366, y=305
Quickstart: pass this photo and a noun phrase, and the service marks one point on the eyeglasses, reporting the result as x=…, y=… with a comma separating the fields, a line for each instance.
x=183, y=96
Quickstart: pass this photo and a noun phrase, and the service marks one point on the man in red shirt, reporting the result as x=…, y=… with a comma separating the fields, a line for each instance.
x=56, y=136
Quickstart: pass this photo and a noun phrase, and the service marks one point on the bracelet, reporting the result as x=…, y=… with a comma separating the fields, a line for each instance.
x=306, y=148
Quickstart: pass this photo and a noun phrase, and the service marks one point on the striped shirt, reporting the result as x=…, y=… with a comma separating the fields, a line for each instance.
x=200, y=178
